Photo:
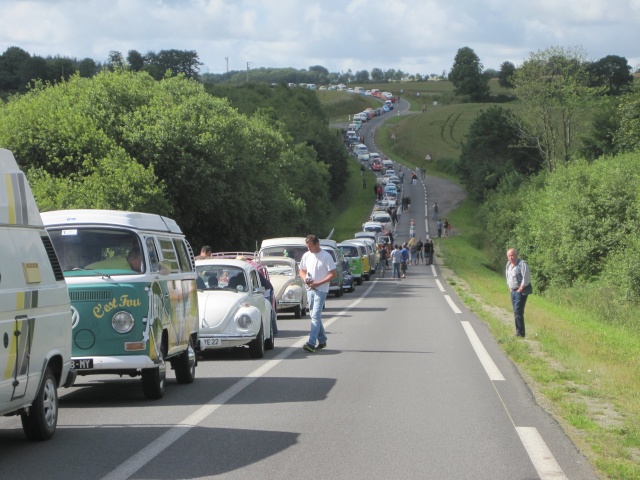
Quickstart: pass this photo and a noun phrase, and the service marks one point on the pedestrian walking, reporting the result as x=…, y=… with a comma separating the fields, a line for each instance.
x=519, y=283
x=317, y=269
x=435, y=211
x=364, y=183
x=439, y=227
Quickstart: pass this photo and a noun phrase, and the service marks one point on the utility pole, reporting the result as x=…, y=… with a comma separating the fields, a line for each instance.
x=248, y=63
x=227, y=60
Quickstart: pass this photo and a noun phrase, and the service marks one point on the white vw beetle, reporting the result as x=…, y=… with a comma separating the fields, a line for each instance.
x=290, y=292
x=232, y=308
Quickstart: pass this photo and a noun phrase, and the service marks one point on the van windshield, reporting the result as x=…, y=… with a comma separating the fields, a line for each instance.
x=97, y=251
x=292, y=251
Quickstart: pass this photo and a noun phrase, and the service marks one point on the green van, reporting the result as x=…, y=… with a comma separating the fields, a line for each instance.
x=352, y=255
x=132, y=284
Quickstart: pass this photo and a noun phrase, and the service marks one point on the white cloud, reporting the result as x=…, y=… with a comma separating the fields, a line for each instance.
x=416, y=36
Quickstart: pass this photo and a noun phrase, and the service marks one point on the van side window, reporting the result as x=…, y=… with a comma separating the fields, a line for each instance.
x=254, y=280
x=154, y=263
x=168, y=254
x=183, y=255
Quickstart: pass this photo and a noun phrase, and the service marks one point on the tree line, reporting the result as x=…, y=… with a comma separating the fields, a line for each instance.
x=123, y=140
x=557, y=173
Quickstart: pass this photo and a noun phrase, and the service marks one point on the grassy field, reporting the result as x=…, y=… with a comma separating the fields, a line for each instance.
x=584, y=371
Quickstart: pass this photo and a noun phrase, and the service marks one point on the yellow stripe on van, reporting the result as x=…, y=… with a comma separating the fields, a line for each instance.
x=11, y=203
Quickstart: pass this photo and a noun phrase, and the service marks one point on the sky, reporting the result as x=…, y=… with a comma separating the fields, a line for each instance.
x=415, y=36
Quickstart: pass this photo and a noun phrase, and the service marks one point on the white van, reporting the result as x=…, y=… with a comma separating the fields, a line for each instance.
x=132, y=283
x=35, y=314
x=296, y=247
x=362, y=152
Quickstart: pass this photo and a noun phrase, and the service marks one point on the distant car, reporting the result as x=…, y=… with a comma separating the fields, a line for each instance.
x=383, y=218
x=232, y=308
x=386, y=108
x=290, y=292
x=375, y=227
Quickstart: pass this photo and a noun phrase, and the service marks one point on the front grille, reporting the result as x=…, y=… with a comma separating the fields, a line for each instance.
x=90, y=295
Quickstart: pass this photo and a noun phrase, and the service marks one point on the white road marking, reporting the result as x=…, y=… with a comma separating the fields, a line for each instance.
x=540, y=455
x=433, y=269
x=484, y=357
x=439, y=285
x=130, y=466
x=453, y=306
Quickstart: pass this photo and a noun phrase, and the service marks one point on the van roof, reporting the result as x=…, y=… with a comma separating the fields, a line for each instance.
x=17, y=205
x=135, y=220
x=270, y=242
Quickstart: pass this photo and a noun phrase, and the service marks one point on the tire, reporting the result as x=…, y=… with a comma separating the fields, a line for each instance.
x=154, y=379
x=270, y=342
x=42, y=418
x=303, y=312
x=367, y=276
x=297, y=312
x=185, y=365
x=256, y=346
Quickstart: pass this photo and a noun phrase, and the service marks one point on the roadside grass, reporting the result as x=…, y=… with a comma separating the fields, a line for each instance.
x=581, y=357
x=586, y=372
x=339, y=105
x=438, y=132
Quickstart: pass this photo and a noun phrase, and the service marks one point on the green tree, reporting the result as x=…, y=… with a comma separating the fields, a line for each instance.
x=466, y=75
x=553, y=87
x=11, y=61
x=612, y=72
x=627, y=138
x=492, y=149
x=87, y=68
x=507, y=69
x=376, y=75
x=135, y=60
x=123, y=140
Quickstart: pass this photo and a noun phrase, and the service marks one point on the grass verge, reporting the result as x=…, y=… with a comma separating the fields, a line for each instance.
x=584, y=371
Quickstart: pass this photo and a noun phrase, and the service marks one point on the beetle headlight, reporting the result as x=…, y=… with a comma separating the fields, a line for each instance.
x=289, y=295
x=244, y=322
x=122, y=322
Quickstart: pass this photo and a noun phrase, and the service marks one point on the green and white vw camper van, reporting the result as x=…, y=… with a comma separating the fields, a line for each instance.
x=132, y=284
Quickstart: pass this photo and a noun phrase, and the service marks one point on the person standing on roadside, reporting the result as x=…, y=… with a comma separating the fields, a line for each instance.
x=439, y=227
x=317, y=269
x=435, y=211
x=405, y=259
x=428, y=252
x=419, y=248
x=519, y=283
x=396, y=260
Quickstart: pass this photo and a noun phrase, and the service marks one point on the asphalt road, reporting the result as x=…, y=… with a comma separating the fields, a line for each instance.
x=412, y=386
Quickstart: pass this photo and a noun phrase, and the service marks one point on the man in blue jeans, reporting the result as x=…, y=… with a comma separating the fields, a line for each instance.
x=518, y=281
x=317, y=269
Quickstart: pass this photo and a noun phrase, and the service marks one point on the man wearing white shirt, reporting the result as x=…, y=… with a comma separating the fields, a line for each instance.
x=317, y=269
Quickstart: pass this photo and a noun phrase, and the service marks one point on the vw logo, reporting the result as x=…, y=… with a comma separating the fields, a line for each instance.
x=75, y=317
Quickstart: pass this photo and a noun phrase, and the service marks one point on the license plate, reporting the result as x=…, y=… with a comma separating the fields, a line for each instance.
x=83, y=363
x=212, y=342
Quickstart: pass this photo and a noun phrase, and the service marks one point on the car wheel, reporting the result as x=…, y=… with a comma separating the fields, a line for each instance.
x=41, y=420
x=153, y=379
x=367, y=277
x=303, y=312
x=185, y=365
x=297, y=312
x=270, y=342
x=256, y=346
